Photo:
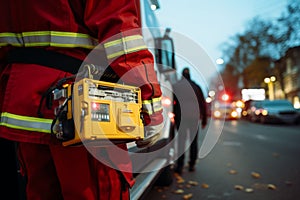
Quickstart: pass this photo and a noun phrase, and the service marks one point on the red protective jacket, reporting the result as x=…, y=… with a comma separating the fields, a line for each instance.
x=74, y=28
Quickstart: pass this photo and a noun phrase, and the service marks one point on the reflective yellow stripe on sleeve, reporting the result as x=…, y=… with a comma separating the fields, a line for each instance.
x=48, y=38
x=25, y=122
x=124, y=45
x=115, y=48
x=152, y=106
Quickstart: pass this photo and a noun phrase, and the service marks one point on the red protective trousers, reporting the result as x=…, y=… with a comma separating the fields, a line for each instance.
x=59, y=167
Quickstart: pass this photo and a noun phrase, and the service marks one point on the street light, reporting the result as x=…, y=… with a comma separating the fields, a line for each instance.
x=270, y=81
x=220, y=61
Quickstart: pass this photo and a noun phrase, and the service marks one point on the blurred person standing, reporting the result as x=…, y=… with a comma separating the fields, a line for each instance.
x=190, y=110
x=44, y=41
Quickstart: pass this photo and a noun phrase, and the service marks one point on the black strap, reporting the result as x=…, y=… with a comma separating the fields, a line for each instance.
x=60, y=61
x=44, y=57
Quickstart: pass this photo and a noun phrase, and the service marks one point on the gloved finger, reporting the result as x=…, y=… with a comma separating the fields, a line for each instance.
x=148, y=141
x=151, y=130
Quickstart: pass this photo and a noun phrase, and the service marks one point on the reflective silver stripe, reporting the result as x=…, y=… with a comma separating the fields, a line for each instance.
x=25, y=122
x=152, y=106
x=48, y=38
x=124, y=45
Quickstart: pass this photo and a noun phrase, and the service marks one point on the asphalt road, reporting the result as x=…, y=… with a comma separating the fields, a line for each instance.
x=250, y=161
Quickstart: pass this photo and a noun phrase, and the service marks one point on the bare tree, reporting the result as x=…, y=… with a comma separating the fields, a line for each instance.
x=287, y=29
x=249, y=55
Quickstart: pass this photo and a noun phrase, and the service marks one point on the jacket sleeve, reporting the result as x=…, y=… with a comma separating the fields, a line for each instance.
x=116, y=25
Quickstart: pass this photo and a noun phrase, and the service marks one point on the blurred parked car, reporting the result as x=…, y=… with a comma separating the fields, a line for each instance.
x=247, y=111
x=273, y=111
x=224, y=110
x=253, y=110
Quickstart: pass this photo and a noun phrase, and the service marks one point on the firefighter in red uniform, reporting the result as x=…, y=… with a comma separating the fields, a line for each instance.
x=42, y=42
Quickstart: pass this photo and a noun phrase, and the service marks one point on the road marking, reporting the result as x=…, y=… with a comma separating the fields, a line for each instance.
x=260, y=137
x=232, y=143
x=230, y=129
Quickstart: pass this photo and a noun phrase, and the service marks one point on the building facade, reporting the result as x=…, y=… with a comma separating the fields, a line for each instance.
x=287, y=71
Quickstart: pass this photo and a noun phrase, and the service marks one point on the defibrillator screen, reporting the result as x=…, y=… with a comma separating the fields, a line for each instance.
x=100, y=112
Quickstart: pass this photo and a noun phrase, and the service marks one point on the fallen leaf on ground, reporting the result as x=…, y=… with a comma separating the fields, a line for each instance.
x=249, y=190
x=204, y=185
x=179, y=191
x=238, y=187
x=193, y=183
x=255, y=175
x=179, y=178
x=232, y=171
x=272, y=187
x=187, y=196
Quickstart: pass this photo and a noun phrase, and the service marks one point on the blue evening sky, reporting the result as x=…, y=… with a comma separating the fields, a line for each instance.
x=211, y=23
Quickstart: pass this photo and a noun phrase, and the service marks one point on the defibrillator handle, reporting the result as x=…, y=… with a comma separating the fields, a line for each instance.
x=48, y=94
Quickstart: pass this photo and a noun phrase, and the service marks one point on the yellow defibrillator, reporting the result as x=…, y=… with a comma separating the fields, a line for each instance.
x=98, y=113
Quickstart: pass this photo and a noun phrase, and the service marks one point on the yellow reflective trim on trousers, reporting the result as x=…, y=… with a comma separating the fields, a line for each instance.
x=25, y=123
